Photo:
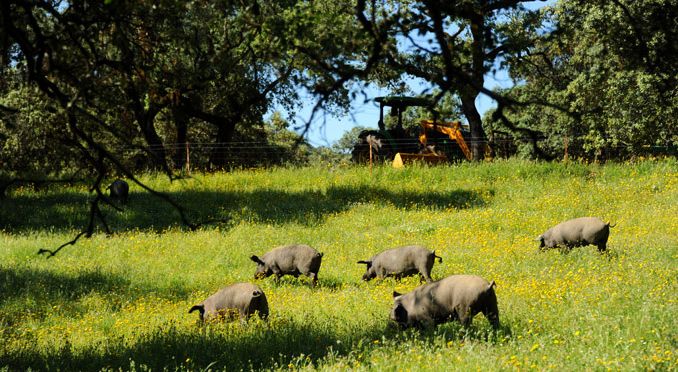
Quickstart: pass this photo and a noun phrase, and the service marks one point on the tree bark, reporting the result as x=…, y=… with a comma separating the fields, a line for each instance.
x=471, y=90
x=181, y=124
x=219, y=156
x=155, y=146
x=478, y=137
x=225, y=129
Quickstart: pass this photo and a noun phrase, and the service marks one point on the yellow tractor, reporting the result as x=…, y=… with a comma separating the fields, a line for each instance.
x=436, y=141
x=429, y=154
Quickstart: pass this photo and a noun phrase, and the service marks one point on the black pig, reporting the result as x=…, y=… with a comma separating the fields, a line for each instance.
x=457, y=297
x=577, y=232
x=400, y=262
x=295, y=259
x=243, y=299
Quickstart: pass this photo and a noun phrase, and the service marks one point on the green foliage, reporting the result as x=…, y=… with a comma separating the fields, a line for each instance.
x=452, y=47
x=34, y=140
x=329, y=157
x=604, y=70
x=323, y=42
x=348, y=140
x=126, y=84
x=133, y=76
x=121, y=301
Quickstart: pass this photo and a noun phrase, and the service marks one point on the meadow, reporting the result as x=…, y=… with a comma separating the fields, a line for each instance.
x=120, y=302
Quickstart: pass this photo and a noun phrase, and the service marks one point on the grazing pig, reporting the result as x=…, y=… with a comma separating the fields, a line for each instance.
x=292, y=259
x=400, y=262
x=458, y=297
x=577, y=232
x=118, y=190
x=242, y=298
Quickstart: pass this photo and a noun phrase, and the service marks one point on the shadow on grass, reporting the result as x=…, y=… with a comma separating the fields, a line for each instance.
x=479, y=331
x=231, y=347
x=288, y=281
x=45, y=285
x=70, y=210
x=219, y=347
x=30, y=291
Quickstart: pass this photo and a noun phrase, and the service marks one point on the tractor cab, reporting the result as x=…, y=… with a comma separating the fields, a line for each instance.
x=398, y=105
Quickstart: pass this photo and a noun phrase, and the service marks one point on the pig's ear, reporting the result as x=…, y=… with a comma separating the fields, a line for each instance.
x=256, y=293
x=396, y=294
x=256, y=259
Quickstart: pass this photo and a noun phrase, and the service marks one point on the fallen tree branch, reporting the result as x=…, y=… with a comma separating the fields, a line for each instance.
x=51, y=253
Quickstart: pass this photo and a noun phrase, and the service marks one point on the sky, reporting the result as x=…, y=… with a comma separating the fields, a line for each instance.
x=327, y=129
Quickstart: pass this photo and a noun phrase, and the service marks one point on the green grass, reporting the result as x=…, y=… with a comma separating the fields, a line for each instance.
x=121, y=302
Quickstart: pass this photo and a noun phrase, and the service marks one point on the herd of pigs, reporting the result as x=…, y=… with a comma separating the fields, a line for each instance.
x=456, y=297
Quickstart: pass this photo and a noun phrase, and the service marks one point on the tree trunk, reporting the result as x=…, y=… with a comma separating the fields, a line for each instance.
x=145, y=118
x=219, y=156
x=155, y=146
x=470, y=91
x=478, y=138
x=181, y=124
x=225, y=129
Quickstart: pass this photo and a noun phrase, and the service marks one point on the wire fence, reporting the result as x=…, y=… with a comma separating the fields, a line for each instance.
x=239, y=154
x=268, y=145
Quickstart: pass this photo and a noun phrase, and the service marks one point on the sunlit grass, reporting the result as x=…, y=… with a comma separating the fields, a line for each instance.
x=121, y=302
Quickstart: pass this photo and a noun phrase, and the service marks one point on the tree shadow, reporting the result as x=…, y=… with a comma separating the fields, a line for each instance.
x=25, y=290
x=43, y=284
x=479, y=331
x=68, y=210
x=232, y=346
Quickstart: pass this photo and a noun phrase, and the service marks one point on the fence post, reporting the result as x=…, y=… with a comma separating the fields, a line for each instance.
x=372, y=141
x=370, y=160
x=188, y=159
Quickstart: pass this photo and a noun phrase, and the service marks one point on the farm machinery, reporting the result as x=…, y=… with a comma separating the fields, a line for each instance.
x=435, y=141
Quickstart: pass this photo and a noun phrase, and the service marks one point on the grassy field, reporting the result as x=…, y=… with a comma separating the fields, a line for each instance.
x=121, y=301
